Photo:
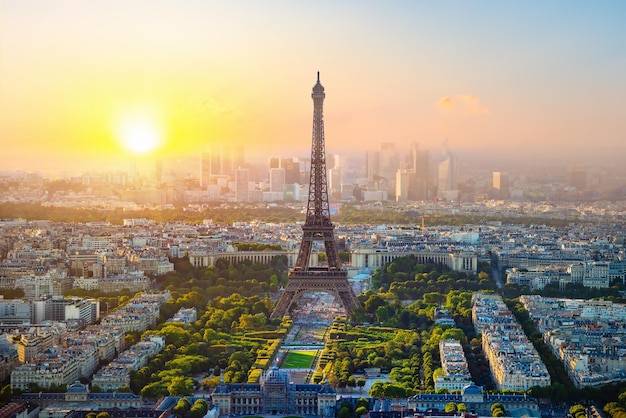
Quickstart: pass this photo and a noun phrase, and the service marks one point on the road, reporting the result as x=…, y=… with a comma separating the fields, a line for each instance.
x=495, y=270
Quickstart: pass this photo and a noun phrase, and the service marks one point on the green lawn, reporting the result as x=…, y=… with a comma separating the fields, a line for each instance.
x=298, y=360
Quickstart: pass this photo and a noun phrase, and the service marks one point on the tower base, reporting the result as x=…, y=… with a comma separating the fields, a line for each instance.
x=301, y=282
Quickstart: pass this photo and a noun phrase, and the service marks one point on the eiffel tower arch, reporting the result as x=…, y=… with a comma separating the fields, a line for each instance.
x=317, y=226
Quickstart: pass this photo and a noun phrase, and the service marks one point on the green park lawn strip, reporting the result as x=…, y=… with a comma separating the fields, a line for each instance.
x=298, y=360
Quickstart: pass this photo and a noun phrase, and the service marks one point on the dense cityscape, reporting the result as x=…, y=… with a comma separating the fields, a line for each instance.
x=54, y=339
x=508, y=302
x=446, y=239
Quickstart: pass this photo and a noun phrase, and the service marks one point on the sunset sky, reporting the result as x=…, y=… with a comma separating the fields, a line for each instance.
x=81, y=80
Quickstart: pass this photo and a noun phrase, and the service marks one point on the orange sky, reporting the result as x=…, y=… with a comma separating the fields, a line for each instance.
x=529, y=79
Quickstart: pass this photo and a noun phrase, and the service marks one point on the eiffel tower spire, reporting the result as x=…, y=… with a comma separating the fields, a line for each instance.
x=317, y=227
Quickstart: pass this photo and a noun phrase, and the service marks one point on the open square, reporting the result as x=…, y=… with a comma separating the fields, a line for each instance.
x=298, y=360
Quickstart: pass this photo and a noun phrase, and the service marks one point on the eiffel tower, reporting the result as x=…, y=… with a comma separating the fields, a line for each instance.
x=303, y=278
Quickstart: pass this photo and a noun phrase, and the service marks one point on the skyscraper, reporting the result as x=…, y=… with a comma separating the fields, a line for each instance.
x=335, y=176
x=277, y=180
x=403, y=184
x=334, y=180
x=292, y=170
x=274, y=162
x=242, y=176
x=500, y=185
x=381, y=167
x=447, y=181
x=210, y=166
x=421, y=180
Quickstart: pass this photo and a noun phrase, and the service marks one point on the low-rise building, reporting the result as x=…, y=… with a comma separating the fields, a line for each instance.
x=53, y=367
x=456, y=374
x=475, y=400
x=274, y=395
x=513, y=360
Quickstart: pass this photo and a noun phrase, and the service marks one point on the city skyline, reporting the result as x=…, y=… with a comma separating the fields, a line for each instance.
x=91, y=84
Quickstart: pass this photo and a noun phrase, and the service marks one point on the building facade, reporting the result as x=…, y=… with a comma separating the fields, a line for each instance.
x=275, y=395
x=476, y=401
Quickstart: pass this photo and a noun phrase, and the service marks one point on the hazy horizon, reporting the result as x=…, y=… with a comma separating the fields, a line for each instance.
x=535, y=81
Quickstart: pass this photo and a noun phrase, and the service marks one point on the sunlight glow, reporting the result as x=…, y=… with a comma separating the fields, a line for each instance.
x=140, y=136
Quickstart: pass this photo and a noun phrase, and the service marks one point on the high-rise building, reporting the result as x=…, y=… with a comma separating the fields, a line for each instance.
x=420, y=165
x=220, y=160
x=277, y=180
x=403, y=184
x=274, y=162
x=292, y=170
x=291, y=167
x=412, y=181
x=334, y=161
x=242, y=176
x=447, y=181
x=232, y=159
x=292, y=192
x=500, y=185
x=210, y=166
x=381, y=167
x=371, y=165
x=334, y=181
x=335, y=175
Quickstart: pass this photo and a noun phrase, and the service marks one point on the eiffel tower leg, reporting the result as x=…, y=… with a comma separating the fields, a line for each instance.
x=349, y=301
x=285, y=301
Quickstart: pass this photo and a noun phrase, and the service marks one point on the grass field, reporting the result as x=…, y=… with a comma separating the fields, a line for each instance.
x=298, y=360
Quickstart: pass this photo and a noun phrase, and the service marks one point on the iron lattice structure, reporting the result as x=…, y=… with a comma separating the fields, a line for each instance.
x=304, y=278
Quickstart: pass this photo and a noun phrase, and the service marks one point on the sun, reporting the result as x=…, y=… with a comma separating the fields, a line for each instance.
x=140, y=135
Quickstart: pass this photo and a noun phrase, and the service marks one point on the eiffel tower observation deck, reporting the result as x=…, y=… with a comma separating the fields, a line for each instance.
x=304, y=278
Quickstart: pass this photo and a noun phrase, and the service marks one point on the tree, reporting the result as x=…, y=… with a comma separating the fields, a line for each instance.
x=182, y=407
x=345, y=411
x=199, y=408
x=438, y=372
x=578, y=411
x=373, y=303
x=497, y=410
x=363, y=402
x=434, y=298
x=453, y=334
x=377, y=390
x=241, y=356
x=360, y=382
x=394, y=391
x=180, y=386
x=103, y=415
x=5, y=395
x=450, y=407
x=211, y=382
x=129, y=339
x=175, y=334
x=613, y=408
x=360, y=411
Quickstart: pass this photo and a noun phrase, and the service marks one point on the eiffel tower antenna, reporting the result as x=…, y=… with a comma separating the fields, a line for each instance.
x=317, y=226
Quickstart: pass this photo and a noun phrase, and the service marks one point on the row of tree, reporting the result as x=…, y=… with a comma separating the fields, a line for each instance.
x=349, y=214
